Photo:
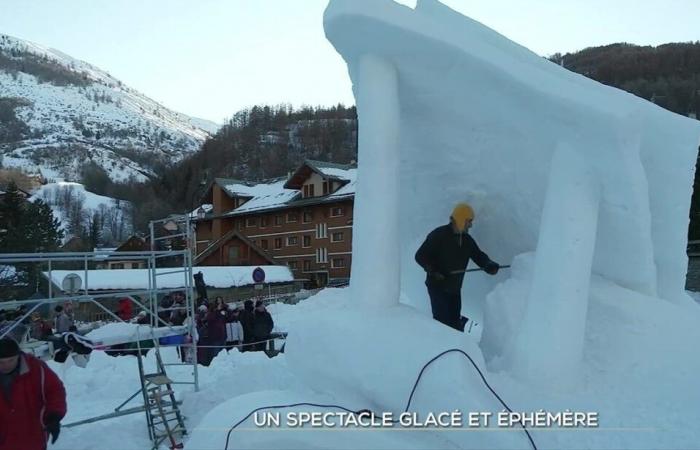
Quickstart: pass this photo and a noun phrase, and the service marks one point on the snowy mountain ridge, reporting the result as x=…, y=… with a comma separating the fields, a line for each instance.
x=60, y=112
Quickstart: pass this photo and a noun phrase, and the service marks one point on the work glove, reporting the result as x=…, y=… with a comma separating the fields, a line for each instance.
x=53, y=426
x=492, y=268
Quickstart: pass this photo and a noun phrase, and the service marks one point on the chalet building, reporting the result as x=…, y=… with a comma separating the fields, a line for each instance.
x=303, y=221
x=133, y=244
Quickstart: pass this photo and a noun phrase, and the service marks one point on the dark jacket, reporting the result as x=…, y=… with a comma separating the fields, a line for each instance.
x=445, y=251
x=35, y=393
x=247, y=318
x=263, y=325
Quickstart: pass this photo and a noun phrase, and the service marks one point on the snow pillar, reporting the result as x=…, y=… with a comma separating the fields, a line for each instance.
x=549, y=345
x=376, y=254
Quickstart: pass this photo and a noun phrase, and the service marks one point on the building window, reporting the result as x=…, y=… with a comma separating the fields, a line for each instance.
x=263, y=222
x=321, y=255
x=325, y=188
x=118, y=266
x=307, y=265
x=308, y=216
x=263, y=244
x=239, y=223
x=292, y=240
x=278, y=221
x=232, y=255
x=321, y=231
x=337, y=236
x=337, y=211
x=293, y=265
x=291, y=217
x=251, y=222
x=338, y=263
x=306, y=241
x=278, y=243
x=309, y=190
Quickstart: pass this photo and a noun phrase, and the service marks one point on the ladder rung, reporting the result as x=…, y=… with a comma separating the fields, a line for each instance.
x=154, y=405
x=174, y=419
x=174, y=429
x=163, y=393
x=158, y=379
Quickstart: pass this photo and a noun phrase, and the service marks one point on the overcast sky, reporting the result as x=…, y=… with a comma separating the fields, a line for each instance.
x=211, y=58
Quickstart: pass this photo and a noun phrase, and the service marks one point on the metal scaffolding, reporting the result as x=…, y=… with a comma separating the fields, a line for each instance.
x=172, y=243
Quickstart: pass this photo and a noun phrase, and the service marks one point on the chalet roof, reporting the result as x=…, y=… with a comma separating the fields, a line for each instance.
x=329, y=170
x=227, y=237
x=281, y=193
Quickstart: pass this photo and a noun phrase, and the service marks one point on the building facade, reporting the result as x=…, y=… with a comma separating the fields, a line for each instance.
x=303, y=221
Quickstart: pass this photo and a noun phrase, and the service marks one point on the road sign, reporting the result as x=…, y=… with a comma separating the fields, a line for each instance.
x=71, y=283
x=258, y=275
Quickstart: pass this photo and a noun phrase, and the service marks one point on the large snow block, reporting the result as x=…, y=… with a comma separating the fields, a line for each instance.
x=372, y=358
x=480, y=119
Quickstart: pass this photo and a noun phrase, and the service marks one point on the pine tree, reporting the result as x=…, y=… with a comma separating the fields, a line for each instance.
x=45, y=231
x=12, y=236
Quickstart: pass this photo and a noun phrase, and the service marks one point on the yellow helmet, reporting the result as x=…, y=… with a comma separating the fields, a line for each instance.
x=461, y=214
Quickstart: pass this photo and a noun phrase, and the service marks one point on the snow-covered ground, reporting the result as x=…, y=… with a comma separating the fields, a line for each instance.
x=645, y=394
x=63, y=196
x=98, y=119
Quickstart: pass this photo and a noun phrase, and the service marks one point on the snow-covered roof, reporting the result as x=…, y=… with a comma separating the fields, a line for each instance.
x=214, y=276
x=268, y=196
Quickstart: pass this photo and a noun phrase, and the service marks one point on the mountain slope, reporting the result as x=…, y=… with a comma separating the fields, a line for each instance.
x=57, y=113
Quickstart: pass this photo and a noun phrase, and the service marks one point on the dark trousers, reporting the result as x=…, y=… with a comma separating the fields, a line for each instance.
x=447, y=308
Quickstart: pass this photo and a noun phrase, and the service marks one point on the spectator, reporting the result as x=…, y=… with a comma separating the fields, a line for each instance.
x=247, y=318
x=125, y=310
x=32, y=403
x=216, y=326
x=202, y=301
x=41, y=330
x=262, y=326
x=203, y=341
x=178, y=314
x=234, y=329
x=164, y=310
x=62, y=321
x=142, y=318
x=68, y=309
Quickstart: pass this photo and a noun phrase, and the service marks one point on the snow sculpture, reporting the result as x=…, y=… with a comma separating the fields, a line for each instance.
x=594, y=180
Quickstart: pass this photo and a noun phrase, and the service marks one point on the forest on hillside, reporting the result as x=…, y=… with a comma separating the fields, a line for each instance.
x=256, y=144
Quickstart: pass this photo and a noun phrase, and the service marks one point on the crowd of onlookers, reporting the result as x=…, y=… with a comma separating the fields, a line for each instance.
x=39, y=328
x=219, y=325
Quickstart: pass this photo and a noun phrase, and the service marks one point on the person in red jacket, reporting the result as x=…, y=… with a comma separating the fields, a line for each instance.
x=32, y=400
x=125, y=310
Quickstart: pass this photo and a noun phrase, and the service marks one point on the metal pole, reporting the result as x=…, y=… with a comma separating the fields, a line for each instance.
x=50, y=281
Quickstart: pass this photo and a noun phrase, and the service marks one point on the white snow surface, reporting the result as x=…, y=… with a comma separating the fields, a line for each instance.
x=64, y=121
x=214, y=276
x=120, y=332
x=628, y=341
x=263, y=195
x=54, y=193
